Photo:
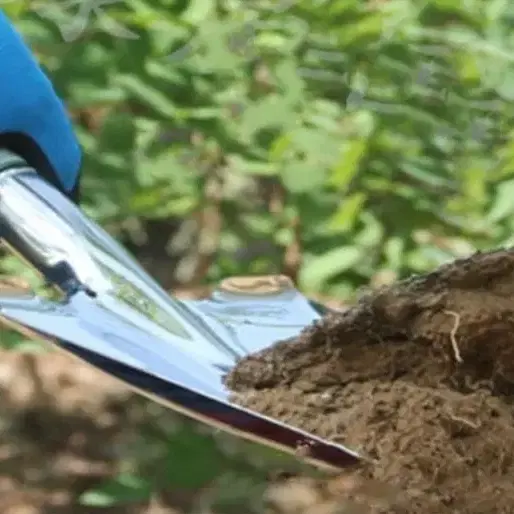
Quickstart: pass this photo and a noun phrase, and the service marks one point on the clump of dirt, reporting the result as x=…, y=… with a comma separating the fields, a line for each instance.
x=418, y=377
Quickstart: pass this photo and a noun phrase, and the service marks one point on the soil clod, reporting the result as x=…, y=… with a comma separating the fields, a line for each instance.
x=418, y=377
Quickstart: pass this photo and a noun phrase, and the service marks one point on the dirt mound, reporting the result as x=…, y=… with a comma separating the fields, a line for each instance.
x=418, y=377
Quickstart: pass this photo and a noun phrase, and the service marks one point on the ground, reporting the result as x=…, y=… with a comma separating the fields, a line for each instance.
x=63, y=423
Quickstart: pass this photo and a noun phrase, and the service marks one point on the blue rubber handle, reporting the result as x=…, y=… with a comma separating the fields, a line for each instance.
x=33, y=119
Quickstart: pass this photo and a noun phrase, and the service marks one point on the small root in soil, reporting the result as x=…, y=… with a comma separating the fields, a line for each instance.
x=455, y=346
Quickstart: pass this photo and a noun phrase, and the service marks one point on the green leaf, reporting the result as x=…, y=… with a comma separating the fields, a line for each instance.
x=280, y=147
x=85, y=95
x=148, y=95
x=11, y=340
x=273, y=111
x=287, y=76
x=118, y=134
x=347, y=213
x=316, y=145
x=348, y=164
x=248, y=167
x=503, y=205
x=505, y=87
x=302, y=177
x=198, y=10
x=394, y=251
x=126, y=488
x=193, y=460
x=318, y=271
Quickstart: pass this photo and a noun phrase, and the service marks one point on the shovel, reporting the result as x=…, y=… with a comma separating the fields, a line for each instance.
x=114, y=316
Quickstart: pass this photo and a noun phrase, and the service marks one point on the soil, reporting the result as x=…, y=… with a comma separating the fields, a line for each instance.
x=62, y=423
x=418, y=377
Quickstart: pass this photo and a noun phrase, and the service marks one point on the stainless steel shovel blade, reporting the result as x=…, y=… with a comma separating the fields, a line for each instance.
x=117, y=318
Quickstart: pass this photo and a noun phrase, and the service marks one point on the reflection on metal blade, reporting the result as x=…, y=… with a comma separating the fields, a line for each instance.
x=117, y=318
x=167, y=374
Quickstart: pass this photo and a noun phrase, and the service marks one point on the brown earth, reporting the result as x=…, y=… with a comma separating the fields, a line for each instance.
x=419, y=378
x=62, y=426
x=66, y=428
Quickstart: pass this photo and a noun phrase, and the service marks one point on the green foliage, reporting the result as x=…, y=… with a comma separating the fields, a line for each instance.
x=125, y=488
x=212, y=469
x=375, y=136
x=377, y=121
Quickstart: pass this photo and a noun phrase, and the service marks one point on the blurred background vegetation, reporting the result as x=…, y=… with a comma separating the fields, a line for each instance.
x=345, y=143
